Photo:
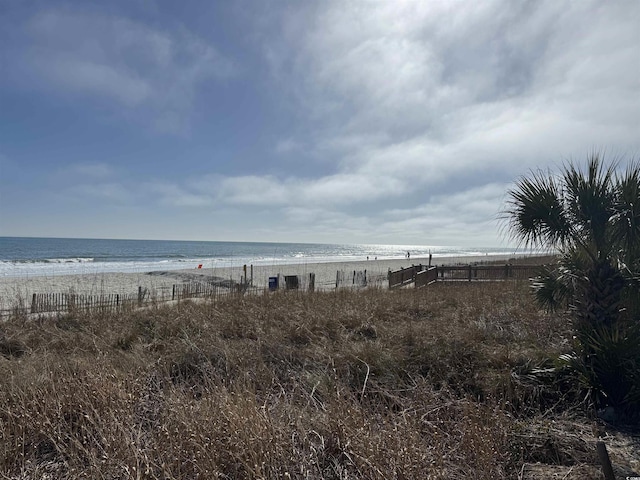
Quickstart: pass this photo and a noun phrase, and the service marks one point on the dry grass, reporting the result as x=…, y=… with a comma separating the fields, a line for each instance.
x=404, y=384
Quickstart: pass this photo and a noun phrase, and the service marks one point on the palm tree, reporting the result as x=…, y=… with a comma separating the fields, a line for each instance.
x=591, y=218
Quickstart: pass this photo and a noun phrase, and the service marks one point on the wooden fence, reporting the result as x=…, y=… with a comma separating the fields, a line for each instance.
x=404, y=276
x=351, y=278
x=58, y=302
x=195, y=290
x=487, y=272
x=425, y=277
x=69, y=302
x=421, y=275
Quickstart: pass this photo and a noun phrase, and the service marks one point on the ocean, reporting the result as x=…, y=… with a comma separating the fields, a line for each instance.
x=20, y=257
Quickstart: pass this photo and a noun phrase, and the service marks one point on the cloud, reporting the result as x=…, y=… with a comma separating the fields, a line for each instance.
x=287, y=145
x=110, y=192
x=411, y=100
x=96, y=170
x=92, y=78
x=254, y=190
x=396, y=121
x=152, y=72
x=165, y=193
x=434, y=73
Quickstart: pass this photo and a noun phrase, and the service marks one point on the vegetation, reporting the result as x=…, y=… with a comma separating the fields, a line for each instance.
x=592, y=217
x=430, y=383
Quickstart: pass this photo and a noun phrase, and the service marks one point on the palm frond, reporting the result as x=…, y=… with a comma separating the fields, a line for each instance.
x=625, y=231
x=536, y=212
x=553, y=289
x=590, y=200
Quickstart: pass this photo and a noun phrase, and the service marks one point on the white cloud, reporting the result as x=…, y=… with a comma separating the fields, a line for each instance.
x=404, y=121
x=96, y=170
x=111, y=192
x=435, y=73
x=287, y=145
x=149, y=71
x=253, y=190
x=408, y=98
x=85, y=76
x=168, y=194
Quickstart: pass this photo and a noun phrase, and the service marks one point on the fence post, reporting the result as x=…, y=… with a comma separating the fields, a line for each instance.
x=603, y=456
x=33, y=303
x=71, y=301
x=469, y=272
x=337, y=278
x=312, y=282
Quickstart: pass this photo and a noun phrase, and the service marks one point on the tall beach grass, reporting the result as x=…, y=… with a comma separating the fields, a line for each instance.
x=376, y=384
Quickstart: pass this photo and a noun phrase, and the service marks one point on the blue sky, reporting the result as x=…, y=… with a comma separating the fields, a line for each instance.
x=392, y=122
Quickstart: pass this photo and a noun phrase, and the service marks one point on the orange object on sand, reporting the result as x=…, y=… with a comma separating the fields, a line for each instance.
x=200, y=266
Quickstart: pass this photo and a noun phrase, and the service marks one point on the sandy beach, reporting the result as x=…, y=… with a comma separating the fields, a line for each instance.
x=14, y=290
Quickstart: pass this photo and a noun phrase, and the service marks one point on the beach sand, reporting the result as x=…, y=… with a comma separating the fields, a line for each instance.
x=14, y=290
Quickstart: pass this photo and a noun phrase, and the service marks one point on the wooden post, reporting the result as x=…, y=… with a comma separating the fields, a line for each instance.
x=365, y=276
x=312, y=282
x=251, y=282
x=244, y=270
x=139, y=295
x=33, y=303
x=337, y=278
x=607, y=469
x=469, y=272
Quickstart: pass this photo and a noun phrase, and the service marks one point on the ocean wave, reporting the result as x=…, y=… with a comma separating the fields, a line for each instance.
x=50, y=260
x=69, y=260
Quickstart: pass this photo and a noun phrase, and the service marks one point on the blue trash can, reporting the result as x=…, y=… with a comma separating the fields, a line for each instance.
x=273, y=284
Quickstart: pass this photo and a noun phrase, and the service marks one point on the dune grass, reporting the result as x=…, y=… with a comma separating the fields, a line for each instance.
x=377, y=384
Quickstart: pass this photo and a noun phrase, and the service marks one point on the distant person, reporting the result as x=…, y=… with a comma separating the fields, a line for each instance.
x=408, y=255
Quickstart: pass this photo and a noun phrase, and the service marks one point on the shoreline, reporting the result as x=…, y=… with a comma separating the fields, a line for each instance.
x=14, y=290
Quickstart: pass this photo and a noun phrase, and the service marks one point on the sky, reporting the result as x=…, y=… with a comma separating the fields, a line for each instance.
x=393, y=122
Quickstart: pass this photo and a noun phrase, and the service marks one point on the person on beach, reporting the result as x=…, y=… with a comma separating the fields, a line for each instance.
x=408, y=255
